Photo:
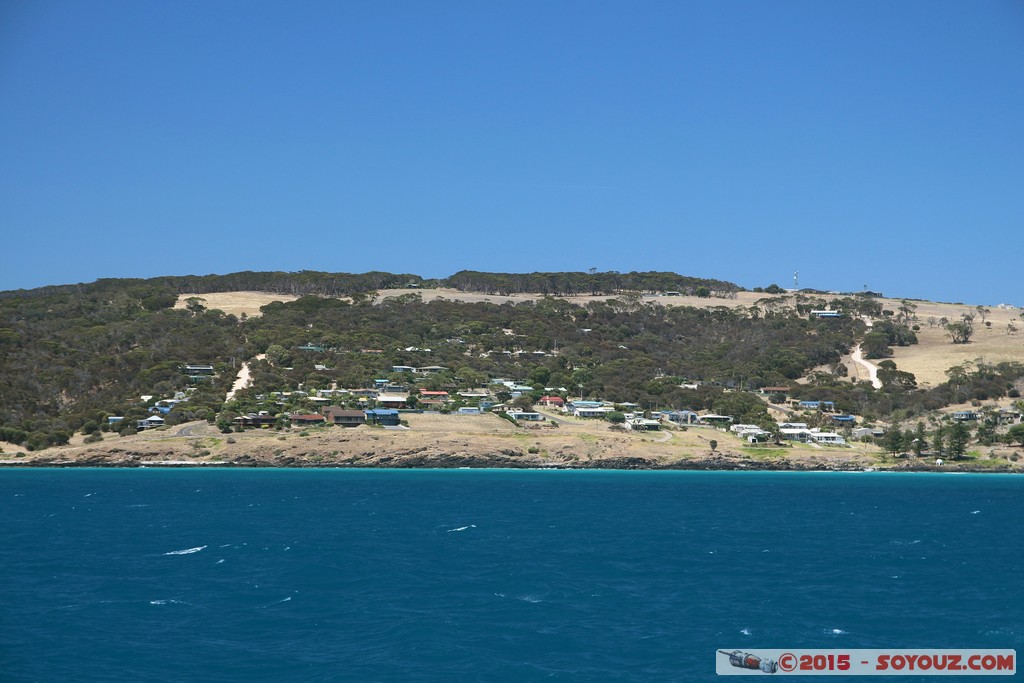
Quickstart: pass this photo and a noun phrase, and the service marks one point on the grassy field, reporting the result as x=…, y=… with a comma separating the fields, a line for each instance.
x=235, y=303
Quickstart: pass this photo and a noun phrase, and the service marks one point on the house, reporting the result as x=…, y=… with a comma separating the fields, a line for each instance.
x=311, y=347
x=553, y=401
x=641, y=424
x=383, y=416
x=573, y=405
x=393, y=400
x=431, y=369
x=826, y=313
x=803, y=435
x=150, y=422
x=829, y=438
x=766, y=391
x=751, y=433
x=792, y=425
x=198, y=373
x=304, y=420
x=683, y=417
x=844, y=420
x=328, y=393
x=715, y=419
x=741, y=428
x=402, y=368
x=433, y=396
x=525, y=416
x=262, y=419
x=345, y=418
x=114, y=419
x=966, y=416
x=469, y=410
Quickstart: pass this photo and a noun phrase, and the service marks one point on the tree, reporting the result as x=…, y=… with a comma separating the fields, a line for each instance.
x=959, y=435
x=894, y=440
x=615, y=417
x=876, y=345
x=194, y=306
x=920, y=441
x=523, y=401
x=713, y=444
x=938, y=440
x=907, y=311
x=1016, y=433
x=960, y=332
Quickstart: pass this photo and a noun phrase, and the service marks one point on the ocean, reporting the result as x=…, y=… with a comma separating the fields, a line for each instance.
x=491, y=575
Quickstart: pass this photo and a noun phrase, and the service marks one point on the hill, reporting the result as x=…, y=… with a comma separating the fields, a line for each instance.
x=75, y=356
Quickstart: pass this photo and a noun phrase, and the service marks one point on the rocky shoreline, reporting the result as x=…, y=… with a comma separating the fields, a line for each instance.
x=724, y=462
x=445, y=442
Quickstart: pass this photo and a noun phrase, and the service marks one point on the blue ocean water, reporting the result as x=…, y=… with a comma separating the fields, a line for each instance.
x=471, y=575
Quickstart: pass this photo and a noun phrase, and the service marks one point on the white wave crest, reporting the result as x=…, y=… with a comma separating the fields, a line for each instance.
x=462, y=528
x=186, y=551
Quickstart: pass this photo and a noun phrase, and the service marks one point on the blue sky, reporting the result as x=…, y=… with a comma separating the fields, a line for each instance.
x=862, y=143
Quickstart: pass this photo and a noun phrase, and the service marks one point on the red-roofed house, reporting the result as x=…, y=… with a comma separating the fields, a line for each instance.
x=556, y=401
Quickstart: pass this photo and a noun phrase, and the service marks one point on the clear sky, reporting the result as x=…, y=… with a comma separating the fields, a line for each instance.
x=863, y=143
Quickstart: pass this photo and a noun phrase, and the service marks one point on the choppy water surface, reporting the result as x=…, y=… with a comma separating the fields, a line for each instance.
x=262, y=575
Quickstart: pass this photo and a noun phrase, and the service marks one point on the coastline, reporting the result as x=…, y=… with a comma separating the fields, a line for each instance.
x=482, y=442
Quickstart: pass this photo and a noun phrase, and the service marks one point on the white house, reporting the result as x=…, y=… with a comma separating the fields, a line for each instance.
x=829, y=438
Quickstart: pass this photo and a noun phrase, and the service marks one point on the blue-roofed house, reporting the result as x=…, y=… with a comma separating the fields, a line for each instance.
x=383, y=416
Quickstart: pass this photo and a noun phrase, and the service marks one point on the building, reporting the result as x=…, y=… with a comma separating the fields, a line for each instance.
x=641, y=424
x=469, y=410
x=966, y=416
x=589, y=411
x=553, y=401
x=386, y=417
x=305, y=420
x=683, y=417
x=393, y=400
x=261, y=419
x=803, y=435
x=150, y=422
x=525, y=416
x=828, y=438
x=337, y=415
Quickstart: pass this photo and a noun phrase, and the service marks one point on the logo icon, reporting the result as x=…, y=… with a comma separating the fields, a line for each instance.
x=745, y=660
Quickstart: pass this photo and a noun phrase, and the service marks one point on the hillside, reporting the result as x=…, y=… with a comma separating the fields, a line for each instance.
x=75, y=356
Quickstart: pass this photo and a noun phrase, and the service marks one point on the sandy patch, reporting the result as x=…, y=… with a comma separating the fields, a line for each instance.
x=236, y=303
